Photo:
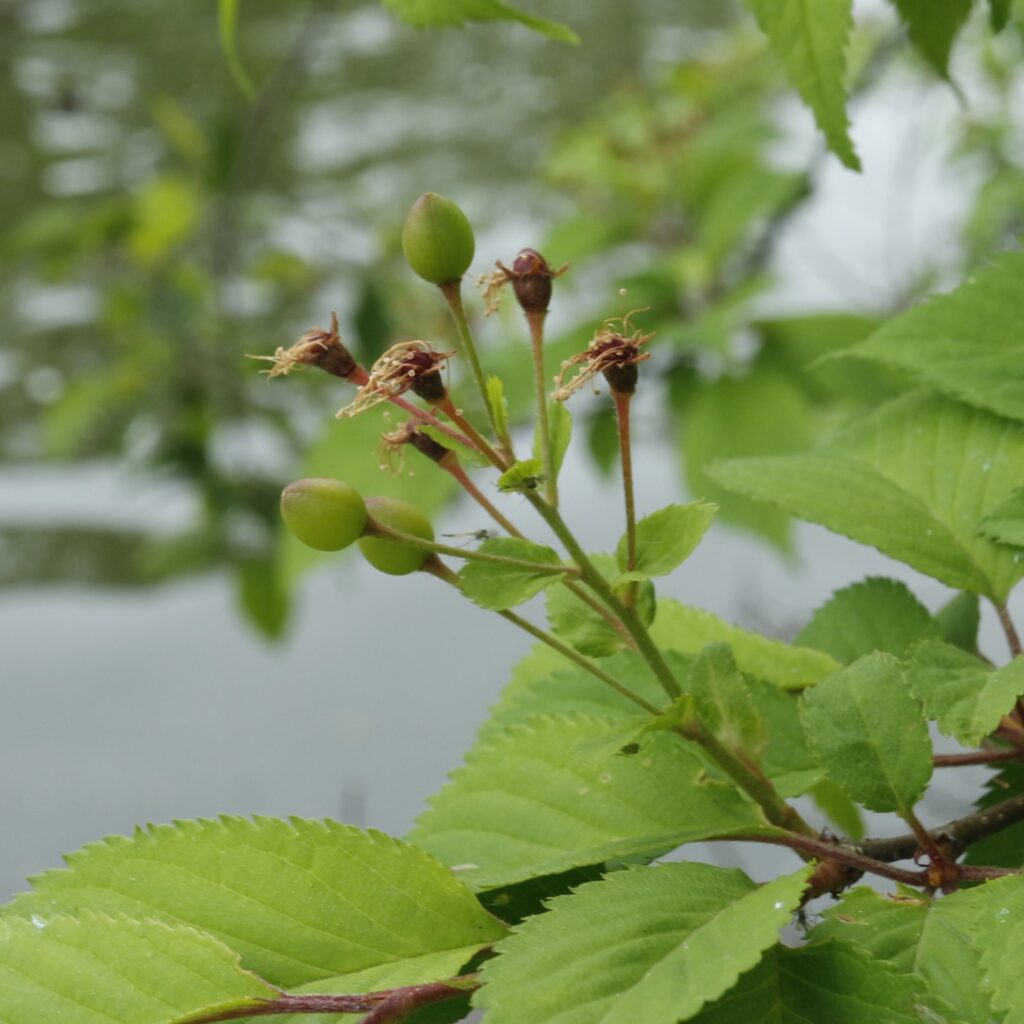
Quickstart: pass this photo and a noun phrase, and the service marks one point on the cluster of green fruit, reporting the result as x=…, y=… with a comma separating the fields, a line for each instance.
x=330, y=515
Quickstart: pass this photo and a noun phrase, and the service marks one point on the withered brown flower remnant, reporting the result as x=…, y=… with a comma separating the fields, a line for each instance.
x=317, y=347
x=530, y=277
x=611, y=352
x=408, y=366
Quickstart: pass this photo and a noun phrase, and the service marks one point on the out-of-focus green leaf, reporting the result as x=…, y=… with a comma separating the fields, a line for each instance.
x=841, y=810
x=166, y=212
x=933, y=25
x=958, y=621
x=811, y=43
x=425, y=13
x=227, y=11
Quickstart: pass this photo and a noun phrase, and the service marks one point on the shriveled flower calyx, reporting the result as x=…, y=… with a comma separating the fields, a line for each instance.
x=317, y=347
x=407, y=366
x=392, y=446
x=530, y=277
x=611, y=352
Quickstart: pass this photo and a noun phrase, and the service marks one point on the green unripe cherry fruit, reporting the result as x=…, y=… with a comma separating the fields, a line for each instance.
x=392, y=556
x=437, y=239
x=324, y=514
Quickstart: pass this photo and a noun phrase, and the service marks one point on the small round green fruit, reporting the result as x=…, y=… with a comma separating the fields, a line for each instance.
x=324, y=514
x=392, y=556
x=437, y=239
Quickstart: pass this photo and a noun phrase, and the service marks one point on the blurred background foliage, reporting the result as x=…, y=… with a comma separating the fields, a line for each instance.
x=160, y=226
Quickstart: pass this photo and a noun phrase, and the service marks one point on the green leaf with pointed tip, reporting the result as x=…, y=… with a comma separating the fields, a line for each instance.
x=839, y=808
x=958, y=621
x=430, y=13
x=963, y=694
x=1005, y=523
x=651, y=945
x=666, y=538
x=98, y=969
x=1006, y=847
x=968, y=344
x=575, y=622
x=498, y=586
x=933, y=25
x=499, y=405
x=874, y=615
x=869, y=734
x=830, y=982
x=915, y=935
x=810, y=39
x=522, y=476
x=525, y=804
x=724, y=703
x=913, y=479
x=689, y=630
x=559, y=435
x=300, y=900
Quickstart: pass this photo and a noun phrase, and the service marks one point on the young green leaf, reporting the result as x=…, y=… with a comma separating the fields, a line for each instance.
x=874, y=615
x=968, y=344
x=724, y=703
x=832, y=800
x=666, y=538
x=958, y=621
x=576, y=622
x=933, y=25
x=913, y=479
x=526, y=805
x=915, y=935
x=559, y=434
x=962, y=693
x=651, y=945
x=810, y=40
x=869, y=734
x=428, y=13
x=999, y=13
x=678, y=627
x=93, y=969
x=830, y=981
x=497, y=586
x=1005, y=523
x=299, y=900
x=525, y=475
x=499, y=406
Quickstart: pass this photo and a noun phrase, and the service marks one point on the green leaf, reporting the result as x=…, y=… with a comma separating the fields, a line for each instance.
x=998, y=931
x=968, y=344
x=999, y=14
x=524, y=475
x=913, y=479
x=958, y=621
x=1005, y=523
x=650, y=945
x=666, y=538
x=689, y=630
x=724, y=703
x=559, y=435
x=933, y=25
x=496, y=586
x=428, y=13
x=869, y=734
x=962, y=693
x=810, y=37
x=915, y=935
x=98, y=969
x=227, y=16
x=765, y=413
x=575, y=622
x=525, y=804
x=299, y=900
x=498, y=404
x=874, y=615
x=839, y=808
x=829, y=982
x=1006, y=847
